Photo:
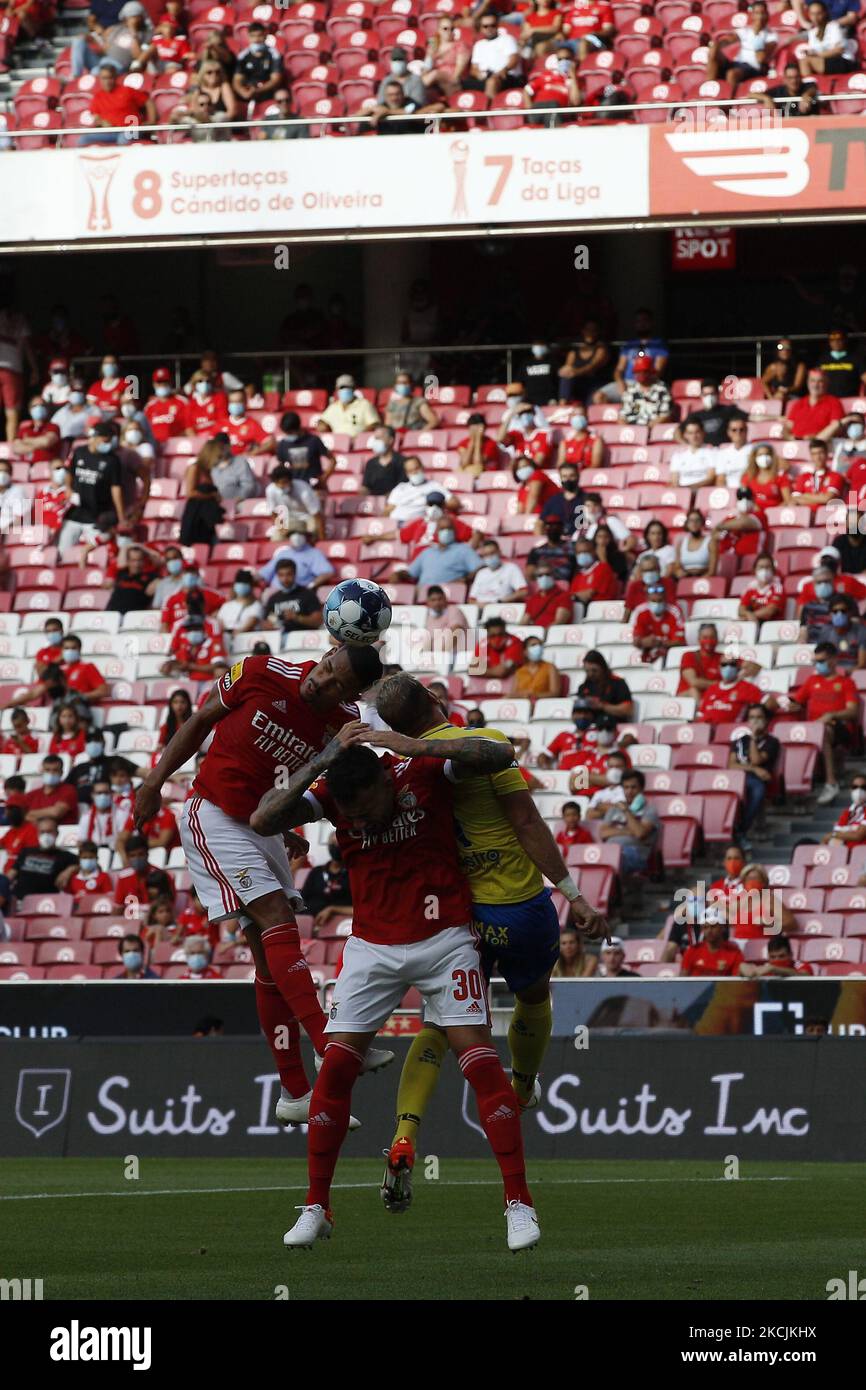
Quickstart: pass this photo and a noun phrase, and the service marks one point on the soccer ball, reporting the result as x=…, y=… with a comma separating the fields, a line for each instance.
x=357, y=611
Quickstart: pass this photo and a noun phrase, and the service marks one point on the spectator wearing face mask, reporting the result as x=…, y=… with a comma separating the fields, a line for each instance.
x=814, y=598
x=88, y=876
x=594, y=580
x=242, y=612
x=107, y=391
x=727, y=700
x=305, y=454
x=259, y=70
x=713, y=416
x=134, y=883
x=448, y=561
x=52, y=797
x=166, y=410
x=816, y=415
x=702, y=668
x=595, y=757
x=843, y=372
x=554, y=553
x=96, y=478
x=535, y=677
x=134, y=583
x=384, y=469
x=56, y=389
x=477, y=451
x=195, y=644
x=830, y=698
x=105, y=818
x=657, y=625
x=37, y=439
x=73, y=418
x=292, y=607
x=499, y=653
x=292, y=501
x=82, y=677
x=192, y=597
x=845, y=629
x=767, y=477
x=21, y=740
x=409, y=500
x=171, y=582
x=826, y=572
x=198, y=952
x=349, y=412
x=99, y=767
x=645, y=576
x=54, y=498
x=408, y=409
x=548, y=602
x=42, y=868
x=132, y=416
x=522, y=438
x=498, y=580
x=578, y=446
x=207, y=403
x=743, y=531
x=245, y=434
x=327, y=894
x=536, y=370
x=132, y=955
x=757, y=754
x=818, y=483
x=850, y=828
x=764, y=599
x=415, y=93
x=632, y=824
x=312, y=568
x=646, y=399
x=14, y=505
x=564, y=506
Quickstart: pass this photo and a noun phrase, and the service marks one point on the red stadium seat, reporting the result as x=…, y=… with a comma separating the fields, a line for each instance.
x=511, y=102
x=678, y=837
x=829, y=949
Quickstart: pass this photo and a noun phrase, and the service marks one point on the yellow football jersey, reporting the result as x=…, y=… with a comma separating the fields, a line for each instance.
x=498, y=869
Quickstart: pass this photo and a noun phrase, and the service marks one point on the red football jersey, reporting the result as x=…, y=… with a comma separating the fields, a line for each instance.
x=548, y=85
x=745, y=542
x=82, y=676
x=547, y=490
x=593, y=759
x=54, y=501
x=825, y=694
x=721, y=705
x=668, y=625
x=240, y=432
x=535, y=445
x=8, y=745
x=167, y=416
x=564, y=742
x=756, y=597
x=29, y=429
x=700, y=960
x=106, y=394
x=98, y=882
x=707, y=666
x=176, y=607
x=163, y=820
x=391, y=888
x=599, y=578
x=420, y=533
x=812, y=483
x=566, y=838
x=843, y=584
x=201, y=414
x=769, y=494
x=587, y=17
x=268, y=725
x=579, y=451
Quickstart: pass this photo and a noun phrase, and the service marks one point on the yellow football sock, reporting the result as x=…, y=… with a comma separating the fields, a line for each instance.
x=418, y=1080
x=528, y=1036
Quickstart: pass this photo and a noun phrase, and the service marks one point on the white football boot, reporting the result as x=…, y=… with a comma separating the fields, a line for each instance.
x=522, y=1224
x=314, y=1223
x=296, y=1111
x=375, y=1060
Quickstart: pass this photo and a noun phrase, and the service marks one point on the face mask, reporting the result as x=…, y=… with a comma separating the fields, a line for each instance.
x=138, y=862
x=76, y=398
x=128, y=410
x=764, y=576
x=195, y=639
x=514, y=403
x=87, y=866
x=526, y=420
x=102, y=801
x=585, y=559
x=202, y=388
x=855, y=431
x=174, y=566
x=657, y=609
x=545, y=582
x=103, y=448
x=417, y=479
x=346, y=394
x=858, y=796
x=446, y=537
x=403, y=388
x=241, y=589
x=823, y=590
x=122, y=788
x=109, y=371
x=839, y=619
x=133, y=436
x=51, y=779
x=5, y=479
x=764, y=460
x=59, y=378
x=729, y=673
x=38, y=412
x=190, y=581
x=823, y=668
x=638, y=804
x=710, y=400
x=378, y=446
x=236, y=408
x=93, y=749
x=578, y=422
x=837, y=355
x=132, y=960
x=492, y=561
x=744, y=505
x=614, y=776
x=605, y=737
x=651, y=577
x=296, y=541
x=197, y=961
x=534, y=652
x=54, y=638
x=71, y=655
x=433, y=513
x=569, y=485
x=399, y=68
x=523, y=473
x=708, y=644
x=258, y=47
x=47, y=841
x=59, y=475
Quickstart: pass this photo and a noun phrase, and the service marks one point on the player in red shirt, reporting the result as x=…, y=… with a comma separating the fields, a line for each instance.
x=816, y=414
x=165, y=410
x=728, y=699
x=817, y=483
x=205, y=407
x=394, y=827
x=594, y=579
x=713, y=955
x=765, y=597
x=37, y=440
x=827, y=697
x=82, y=677
x=268, y=717
x=246, y=435
x=657, y=625
x=192, y=597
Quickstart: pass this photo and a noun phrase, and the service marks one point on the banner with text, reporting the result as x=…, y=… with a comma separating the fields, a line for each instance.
x=142, y=190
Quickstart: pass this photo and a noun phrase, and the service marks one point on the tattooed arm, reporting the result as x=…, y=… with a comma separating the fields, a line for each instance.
x=470, y=756
x=284, y=807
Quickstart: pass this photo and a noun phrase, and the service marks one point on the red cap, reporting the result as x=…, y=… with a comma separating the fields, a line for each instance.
x=167, y=19
x=643, y=363
x=162, y=374
x=58, y=364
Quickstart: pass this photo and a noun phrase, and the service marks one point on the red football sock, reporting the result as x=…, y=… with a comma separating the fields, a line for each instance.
x=499, y=1114
x=291, y=975
x=274, y=1013
x=329, y=1118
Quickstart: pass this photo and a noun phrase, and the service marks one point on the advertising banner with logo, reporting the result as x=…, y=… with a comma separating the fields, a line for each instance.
x=783, y=166
x=262, y=186
x=775, y=1098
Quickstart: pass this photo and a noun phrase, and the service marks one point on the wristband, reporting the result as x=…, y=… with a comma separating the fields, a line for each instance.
x=568, y=888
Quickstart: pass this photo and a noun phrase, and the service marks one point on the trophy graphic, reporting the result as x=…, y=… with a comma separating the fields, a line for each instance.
x=99, y=169
x=459, y=152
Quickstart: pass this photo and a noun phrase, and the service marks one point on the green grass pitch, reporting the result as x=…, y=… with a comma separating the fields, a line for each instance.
x=212, y=1229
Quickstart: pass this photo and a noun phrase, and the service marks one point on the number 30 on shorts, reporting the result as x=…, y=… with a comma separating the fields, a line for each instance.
x=466, y=983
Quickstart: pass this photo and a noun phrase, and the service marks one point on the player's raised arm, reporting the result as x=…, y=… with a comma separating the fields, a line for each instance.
x=284, y=806
x=180, y=748
x=536, y=839
x=470, y=756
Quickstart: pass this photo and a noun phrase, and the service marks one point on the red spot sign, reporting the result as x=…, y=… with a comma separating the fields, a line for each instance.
x=704, y=248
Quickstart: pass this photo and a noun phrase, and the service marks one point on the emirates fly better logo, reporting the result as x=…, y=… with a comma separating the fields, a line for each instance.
x=772, y=163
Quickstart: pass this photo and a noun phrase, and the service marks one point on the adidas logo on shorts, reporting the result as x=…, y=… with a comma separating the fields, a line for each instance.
x=474, y=1009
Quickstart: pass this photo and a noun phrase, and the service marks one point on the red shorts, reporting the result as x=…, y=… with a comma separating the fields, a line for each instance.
x=11, y=389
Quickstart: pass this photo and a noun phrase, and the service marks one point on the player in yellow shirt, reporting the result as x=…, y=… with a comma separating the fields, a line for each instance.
x=506, y=851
